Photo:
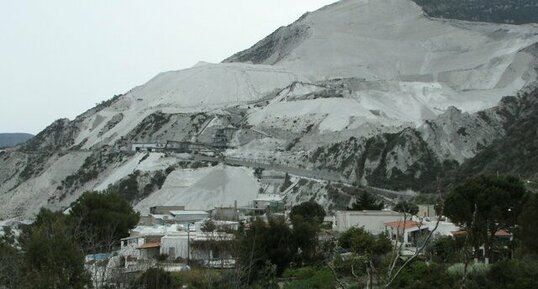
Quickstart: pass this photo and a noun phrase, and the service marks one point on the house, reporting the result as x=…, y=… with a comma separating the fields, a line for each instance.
x=373, y=221
x=502, y=249
x=208, y=249
x=426, y=211
x=272, y=202
x=134, y=250
x=150, y=250
x=226, y=213
x=220, y=225
x=405, y=232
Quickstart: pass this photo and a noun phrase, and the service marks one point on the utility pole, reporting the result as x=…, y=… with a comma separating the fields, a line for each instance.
x=188, y=243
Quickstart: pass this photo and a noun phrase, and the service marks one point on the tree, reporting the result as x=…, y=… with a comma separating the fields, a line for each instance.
x=306, y=219
x=367, y=201
x=102, y=218
x=208, y=226
x=420, y=275
x=264, y=242
x=528, y=225
x=406, y=207
x=309, y=212
x=361, y=242
x=305, y=236
x=513, y=274
x=52, y=258
x=367, y=254
x=279, y=244
x=444, y=249
x=484, y=205
x=10, y=259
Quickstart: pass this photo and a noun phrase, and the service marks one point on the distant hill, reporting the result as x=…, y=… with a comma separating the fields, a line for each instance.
x=496, y=11
x=13, y=139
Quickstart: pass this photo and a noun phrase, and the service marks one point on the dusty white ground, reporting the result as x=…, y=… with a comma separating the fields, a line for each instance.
x=205, y=188
x=408, y=68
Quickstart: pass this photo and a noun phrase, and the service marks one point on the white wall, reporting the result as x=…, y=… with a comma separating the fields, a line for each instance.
x=372, y=221
x=179, y=243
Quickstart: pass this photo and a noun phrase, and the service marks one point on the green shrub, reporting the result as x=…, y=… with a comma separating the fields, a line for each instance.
x=310, y=278
x=156, y=278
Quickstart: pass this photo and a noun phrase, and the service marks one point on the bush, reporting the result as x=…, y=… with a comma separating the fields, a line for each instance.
x=361, y=242
x=474, y=268
x=444, y=249
x=514, y=274
x=156, y=278
x=307, y=278
x=420, y=275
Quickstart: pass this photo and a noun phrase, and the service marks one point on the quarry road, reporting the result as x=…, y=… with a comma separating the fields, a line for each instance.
x=300, y=172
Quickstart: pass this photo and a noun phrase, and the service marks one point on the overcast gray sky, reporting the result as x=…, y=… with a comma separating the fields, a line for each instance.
x=59, y=58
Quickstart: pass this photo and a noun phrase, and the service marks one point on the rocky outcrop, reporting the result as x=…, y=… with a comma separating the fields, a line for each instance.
x=274, y=47
x=516, y=152
x=459, y=136
x=57, y=136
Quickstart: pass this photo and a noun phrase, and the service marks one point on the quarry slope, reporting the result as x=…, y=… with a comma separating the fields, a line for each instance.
x=374, y=91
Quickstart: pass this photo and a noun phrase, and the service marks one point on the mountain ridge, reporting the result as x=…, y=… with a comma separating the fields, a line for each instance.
x=374, y=91
x=13, y=139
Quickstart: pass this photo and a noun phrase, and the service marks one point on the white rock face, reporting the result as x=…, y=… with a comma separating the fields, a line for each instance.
x=356, y=68
x=201, y=88
x=413, y=68
x=205, y=189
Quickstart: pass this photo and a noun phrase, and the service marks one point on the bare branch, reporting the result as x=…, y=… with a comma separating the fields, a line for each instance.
x=340, y=284
x=392, y=277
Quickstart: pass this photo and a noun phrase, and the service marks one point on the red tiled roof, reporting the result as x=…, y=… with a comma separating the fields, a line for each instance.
x=403, y=224
x=502, y=233
x=459, y=233
x=150, y=245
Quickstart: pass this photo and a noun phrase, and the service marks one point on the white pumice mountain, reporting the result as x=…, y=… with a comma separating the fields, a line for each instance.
x=361, y=94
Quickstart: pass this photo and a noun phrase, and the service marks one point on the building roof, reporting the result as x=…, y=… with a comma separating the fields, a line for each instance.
x=151, y=245
x=459, y=233
x=502, y=233
x=159, y=216
x=371, y=213
x=403, y=224
x=179, y=213
x=269, y=198
x=132, y=237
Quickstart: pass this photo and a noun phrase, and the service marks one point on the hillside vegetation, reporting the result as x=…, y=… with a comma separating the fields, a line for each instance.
x=497, y=11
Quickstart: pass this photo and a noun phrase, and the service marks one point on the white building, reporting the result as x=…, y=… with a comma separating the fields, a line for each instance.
x=263, y=201
x=209, y=249
x=136, y=250
x=372, y=221
x=406, y=232
x=183, y=217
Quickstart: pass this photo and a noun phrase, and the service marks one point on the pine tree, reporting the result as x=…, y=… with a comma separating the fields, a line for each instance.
x=367, y=201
